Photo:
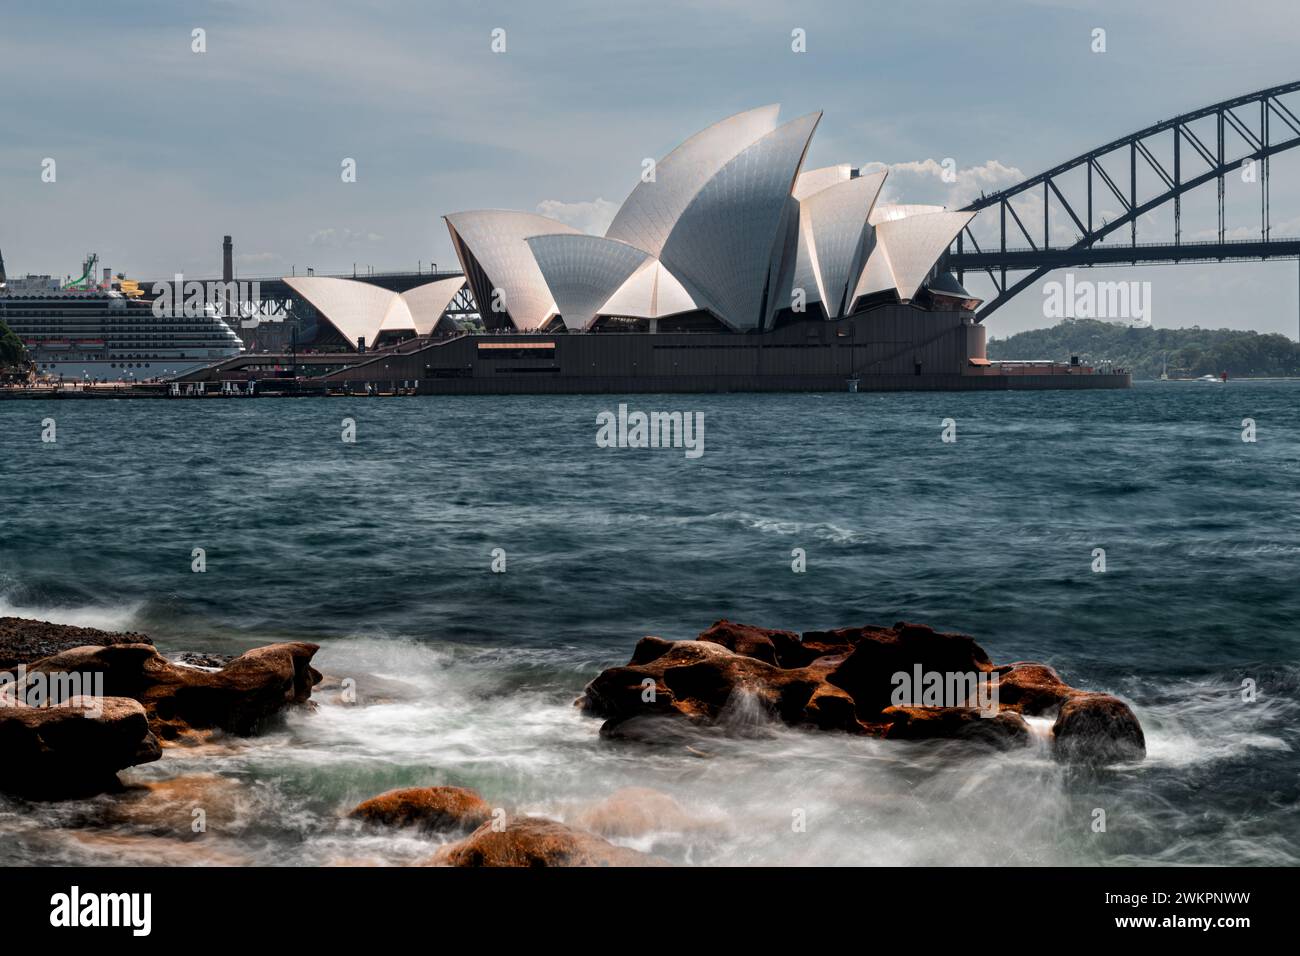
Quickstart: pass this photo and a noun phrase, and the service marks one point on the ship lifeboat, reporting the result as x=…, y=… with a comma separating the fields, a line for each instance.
x=57, y=345
x=91, y=343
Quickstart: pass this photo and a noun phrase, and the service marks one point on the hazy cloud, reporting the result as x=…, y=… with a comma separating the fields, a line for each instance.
x=591, y=217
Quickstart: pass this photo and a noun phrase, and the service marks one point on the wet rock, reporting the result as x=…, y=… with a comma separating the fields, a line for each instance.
x=846, y=679
x=178, y=700
x=532, y=841
x=429, y=808
x=778, y=648
x=24, y=641
x=73, y=749
x=637, y=812
x=1032, y=689
x=366, y=690
x=212, y=661
x=867, y=671
x=166, y=807
x=1097, y=729
x=1004, y=730
x=698, y=680
x=116, y=849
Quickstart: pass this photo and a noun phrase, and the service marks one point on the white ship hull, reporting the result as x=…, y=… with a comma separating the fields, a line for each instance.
x=103, y=336
x=110, y=369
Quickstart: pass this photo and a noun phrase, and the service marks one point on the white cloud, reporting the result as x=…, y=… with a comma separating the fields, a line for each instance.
x=591, y=217
x=921, y=181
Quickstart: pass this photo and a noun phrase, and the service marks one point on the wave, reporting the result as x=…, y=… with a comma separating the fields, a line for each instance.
x=440, y=713
x=120, y=617
x=815, y=530
x=1203, y=720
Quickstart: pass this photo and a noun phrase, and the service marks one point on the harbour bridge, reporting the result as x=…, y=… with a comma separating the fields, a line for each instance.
x=1206, y=146
x=1094, y=196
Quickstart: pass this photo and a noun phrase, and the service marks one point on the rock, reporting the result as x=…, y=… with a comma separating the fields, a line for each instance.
x=211, y=661
x=867, y=672
x=778, y=648
x=1097, y=729
x=846, y=679
x=1032, y=689
x=111, y=848
x=24, y=641
x=532, y=841
x=429, y=808
x=699, y=679
x=637, y=812
x=366, y=690
x=73, y=749
x=240, y=698
x=166, y=807
x=1005, y=729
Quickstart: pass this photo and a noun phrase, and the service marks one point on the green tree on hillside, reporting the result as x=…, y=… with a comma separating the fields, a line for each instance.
x=1191, y=352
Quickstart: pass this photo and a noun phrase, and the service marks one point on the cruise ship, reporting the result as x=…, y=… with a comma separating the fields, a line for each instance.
x=106, y=335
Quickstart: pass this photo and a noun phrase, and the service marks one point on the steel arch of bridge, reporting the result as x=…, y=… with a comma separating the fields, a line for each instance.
x=1209, y=164
x=462, y=303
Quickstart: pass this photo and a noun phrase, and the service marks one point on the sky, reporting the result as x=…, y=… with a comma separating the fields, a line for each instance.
x=160, y=150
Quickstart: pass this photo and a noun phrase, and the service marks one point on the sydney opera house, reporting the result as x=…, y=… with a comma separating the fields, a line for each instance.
x=729, y=267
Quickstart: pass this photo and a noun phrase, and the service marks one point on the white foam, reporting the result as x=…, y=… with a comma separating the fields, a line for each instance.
x=107, y=618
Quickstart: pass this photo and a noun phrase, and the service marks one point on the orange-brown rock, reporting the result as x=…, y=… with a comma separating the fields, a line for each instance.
x=848, y=679
x=778, y=648
x=240, y=698
x=1003, y=729
x=532, y=841
x=1032, y=689
x=699, y=679
x=637, y=812
x=73, y=749
x=429, y=808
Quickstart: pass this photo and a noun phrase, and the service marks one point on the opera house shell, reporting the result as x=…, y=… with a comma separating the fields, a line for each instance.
x=362, y=314
x=729, y=232
x=729, y=267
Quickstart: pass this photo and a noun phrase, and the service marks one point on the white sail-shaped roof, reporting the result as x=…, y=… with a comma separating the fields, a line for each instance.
x=356, y=309
x=722, y=246
x=652, y=292
x=906, y=249
x=398, y=318
x=583, y=272
x=807, y=273
x=833, y=222
x=649, y=214
x=495, y=239
x=428, y=302
x=877, y=274
x=915, y=243
x=889, y=211
x=815, y=180
x=365, y=310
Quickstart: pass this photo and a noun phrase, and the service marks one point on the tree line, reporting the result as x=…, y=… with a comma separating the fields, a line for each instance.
x=1189, y=352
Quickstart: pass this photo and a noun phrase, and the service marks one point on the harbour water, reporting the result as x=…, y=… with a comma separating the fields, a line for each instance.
x=381, y=551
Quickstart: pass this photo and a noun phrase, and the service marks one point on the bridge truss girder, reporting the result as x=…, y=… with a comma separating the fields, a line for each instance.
x=1040, y=257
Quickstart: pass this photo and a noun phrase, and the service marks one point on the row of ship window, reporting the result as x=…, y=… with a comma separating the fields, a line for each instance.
x=110, y=364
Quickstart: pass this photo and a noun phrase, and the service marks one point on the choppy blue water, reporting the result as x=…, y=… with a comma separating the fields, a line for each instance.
x=382, y=550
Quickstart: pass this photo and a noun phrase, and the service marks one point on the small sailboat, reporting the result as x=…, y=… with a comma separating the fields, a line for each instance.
x=1164, y=368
